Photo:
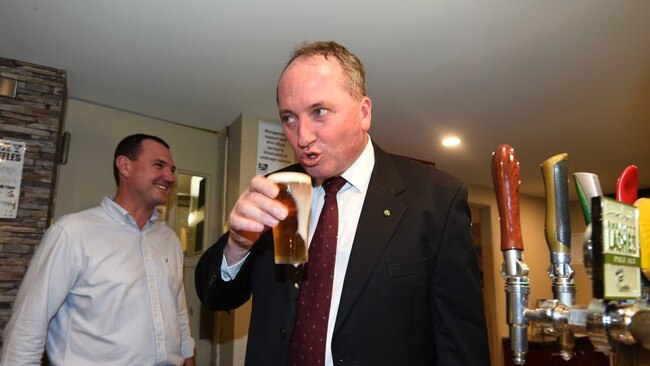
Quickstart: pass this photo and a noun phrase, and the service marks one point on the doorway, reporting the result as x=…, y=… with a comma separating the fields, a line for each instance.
x=481, y=234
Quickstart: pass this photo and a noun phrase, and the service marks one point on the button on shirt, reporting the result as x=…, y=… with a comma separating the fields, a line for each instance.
x=112, y=294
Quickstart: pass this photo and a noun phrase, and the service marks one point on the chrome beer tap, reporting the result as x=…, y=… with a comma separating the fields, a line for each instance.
x=612, y=236
x=612, y=225
x=558, y=237
x=505, y=175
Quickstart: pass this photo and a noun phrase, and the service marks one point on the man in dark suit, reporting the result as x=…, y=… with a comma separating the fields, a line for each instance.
x=406, y=287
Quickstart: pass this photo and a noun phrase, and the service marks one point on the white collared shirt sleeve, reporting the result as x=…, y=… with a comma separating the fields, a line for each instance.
x=229, y=273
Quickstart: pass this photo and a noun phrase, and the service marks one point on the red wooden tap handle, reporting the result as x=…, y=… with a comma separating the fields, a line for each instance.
x=505, y=175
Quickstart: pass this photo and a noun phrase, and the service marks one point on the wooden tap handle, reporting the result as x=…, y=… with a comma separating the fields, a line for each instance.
x=505, y=175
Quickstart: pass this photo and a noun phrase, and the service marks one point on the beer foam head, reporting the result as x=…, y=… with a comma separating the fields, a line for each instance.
x=290, y=177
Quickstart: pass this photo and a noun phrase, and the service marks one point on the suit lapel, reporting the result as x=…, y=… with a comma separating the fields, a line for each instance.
x=379, y=218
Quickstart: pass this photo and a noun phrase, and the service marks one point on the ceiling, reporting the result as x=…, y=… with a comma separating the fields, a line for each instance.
x=546, y=77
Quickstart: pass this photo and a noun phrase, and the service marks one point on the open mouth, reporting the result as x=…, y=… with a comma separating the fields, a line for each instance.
x=310, y=159
x=162, y=187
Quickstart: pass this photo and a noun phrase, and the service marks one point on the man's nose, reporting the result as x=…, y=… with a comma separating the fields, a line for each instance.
x=169, y=176
x=306, y=133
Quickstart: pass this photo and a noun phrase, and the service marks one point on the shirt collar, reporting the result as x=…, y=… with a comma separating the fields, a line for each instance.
x=358, y=174
x=119, y=214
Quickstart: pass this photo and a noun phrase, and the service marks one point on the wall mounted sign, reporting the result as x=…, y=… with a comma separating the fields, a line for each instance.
x=273, y=149
x=12, y=157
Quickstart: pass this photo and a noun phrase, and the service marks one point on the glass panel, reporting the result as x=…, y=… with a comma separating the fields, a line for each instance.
x=188, y=212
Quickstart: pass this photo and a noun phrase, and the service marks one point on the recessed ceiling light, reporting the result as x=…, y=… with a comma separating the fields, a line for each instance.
x=451, y=141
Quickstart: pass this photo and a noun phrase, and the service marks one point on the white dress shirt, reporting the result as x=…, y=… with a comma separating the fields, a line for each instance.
x=350, y=202
x=100, y=291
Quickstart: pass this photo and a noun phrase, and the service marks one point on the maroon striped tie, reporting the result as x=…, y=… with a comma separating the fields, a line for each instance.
x=308, y=342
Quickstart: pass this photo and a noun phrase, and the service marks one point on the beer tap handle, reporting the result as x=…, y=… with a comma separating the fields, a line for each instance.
x=558, y=237
x=627, y=185
x=505, y=175
x=588, y=187
x=558, y=225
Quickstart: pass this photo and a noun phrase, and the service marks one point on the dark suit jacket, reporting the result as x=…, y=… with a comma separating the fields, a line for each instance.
x=411, y=295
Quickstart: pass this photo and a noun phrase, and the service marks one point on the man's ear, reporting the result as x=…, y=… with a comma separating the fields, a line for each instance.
x=366, y=113
x=123, y=165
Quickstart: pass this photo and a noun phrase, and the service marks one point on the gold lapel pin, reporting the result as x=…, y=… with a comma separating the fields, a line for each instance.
x=386, y=212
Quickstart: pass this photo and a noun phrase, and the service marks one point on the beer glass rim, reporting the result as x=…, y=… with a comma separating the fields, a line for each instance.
x=290, y=177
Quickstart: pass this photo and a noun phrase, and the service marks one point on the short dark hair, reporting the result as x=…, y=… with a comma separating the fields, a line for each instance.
x=353, y=69
x=131, y=146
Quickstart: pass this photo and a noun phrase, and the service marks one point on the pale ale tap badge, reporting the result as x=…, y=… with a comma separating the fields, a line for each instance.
x=290, y=235
x=617, y=272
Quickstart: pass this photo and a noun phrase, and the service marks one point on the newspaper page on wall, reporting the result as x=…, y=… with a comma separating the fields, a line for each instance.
x=273, y=149
x=12, y=157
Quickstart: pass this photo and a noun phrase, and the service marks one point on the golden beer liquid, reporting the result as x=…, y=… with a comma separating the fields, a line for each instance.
x=289, y=246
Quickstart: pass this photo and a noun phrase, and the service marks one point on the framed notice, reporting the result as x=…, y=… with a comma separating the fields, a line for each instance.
x=12, y=156
x=273, y=149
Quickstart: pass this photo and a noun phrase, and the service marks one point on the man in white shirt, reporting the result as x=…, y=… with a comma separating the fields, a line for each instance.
x=105, y=285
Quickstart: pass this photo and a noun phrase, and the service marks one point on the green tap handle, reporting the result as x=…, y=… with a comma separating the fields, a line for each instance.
x=556, y=183
x=505, y=175
x=588, y=187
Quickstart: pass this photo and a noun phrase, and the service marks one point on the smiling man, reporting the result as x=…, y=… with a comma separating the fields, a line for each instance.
x=105, y=285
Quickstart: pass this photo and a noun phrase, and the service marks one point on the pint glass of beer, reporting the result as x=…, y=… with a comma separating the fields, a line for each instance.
x=290, y=236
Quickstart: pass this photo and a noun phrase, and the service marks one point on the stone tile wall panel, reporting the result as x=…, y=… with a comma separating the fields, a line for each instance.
x=34, y=116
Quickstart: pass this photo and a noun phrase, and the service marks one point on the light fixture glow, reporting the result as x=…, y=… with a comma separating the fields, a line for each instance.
x=451, y=141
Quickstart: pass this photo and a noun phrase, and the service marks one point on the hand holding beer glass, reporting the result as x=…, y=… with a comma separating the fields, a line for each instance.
x=290, y=235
